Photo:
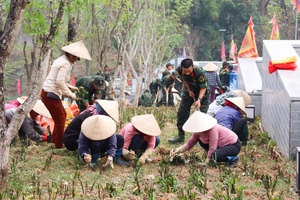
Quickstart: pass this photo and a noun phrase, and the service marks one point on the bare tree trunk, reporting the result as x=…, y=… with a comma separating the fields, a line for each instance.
x=73, y=24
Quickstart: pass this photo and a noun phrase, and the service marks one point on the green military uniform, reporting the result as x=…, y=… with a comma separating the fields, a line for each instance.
x=165, y=73
x=91, y=92
x=146, y=99
x=167, y=82
x=154, y=87
x=196, y=81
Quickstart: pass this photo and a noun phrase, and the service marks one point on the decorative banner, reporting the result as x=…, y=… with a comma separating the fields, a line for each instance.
x=223, y=55
x=275, y=30
x=295, y=4
x=248, y=48
x=19, y=86
x=233, y=49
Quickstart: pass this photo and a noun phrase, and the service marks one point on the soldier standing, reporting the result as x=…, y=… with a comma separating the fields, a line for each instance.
x=167, y=84
x=196, y=91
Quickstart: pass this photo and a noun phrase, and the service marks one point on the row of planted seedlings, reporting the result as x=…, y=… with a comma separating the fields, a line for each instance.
x=195, y=185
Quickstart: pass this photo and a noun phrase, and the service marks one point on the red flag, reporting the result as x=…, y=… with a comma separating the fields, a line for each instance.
x=233, y=49
x=19, y=87
x=248, y=48
x=73, y=80
x=223, y=55
x=275, y=30
x=296, y=4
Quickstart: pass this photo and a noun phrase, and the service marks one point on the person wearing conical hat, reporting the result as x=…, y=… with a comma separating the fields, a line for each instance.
x=213, y=79
x=220, y=143
x=101, y=107
x=218, y=104
x=232, y=116
x=30, y=128
x=140, y=137
x=57, y=85
x=97, y=136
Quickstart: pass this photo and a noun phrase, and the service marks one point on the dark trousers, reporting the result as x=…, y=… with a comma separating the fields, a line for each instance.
x=241, y=129
x=138, y=145
x=212, y=93
x=59, y=115
x=220, y=155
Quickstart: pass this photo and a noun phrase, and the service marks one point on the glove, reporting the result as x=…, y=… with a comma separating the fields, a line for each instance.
x=109, y=162
x=128, y=155
x=145, y=155
x=176, y=151
x=206, y=162
x=87, y=158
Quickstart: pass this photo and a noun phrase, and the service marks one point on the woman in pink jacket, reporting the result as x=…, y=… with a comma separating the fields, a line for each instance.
x=220, y=143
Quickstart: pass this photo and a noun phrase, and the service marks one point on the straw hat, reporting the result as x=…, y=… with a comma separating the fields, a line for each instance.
x=111, y=108
x=39, y=107
x=239, y=102
x=210, y=67
x=174, y=90
x=199, y=122
x=98, y=127
x=245, y=95
x=78, y=49
x=146, y=124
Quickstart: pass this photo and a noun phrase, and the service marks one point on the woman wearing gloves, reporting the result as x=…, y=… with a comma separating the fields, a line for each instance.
x=233, y=117
x=220, y=143
x=97, y=137
x=140, y=137
x=57, y=84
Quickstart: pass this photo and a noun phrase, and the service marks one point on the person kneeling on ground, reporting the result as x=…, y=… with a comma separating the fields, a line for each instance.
x=140, y=137
x=220, y=143
x=233, y=117
x=97, y=137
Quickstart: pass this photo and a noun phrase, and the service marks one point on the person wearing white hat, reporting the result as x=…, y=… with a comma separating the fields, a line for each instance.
x=213, y=79
x=220, y=143
x=29, y=128
x=97, y=137
x=232, y=116
x=140, y=137
x=57, y=85
x=101, y=107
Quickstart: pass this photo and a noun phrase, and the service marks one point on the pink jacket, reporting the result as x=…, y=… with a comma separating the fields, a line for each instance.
x=216, y=137
x=129, y=131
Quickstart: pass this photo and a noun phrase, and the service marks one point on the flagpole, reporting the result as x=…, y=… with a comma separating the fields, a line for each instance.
x=296, y=21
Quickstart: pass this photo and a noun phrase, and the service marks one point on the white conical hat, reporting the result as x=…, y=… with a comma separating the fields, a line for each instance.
x=39, y=107
x=239, y=102
x=111, y=108
x=210, y=67
x=98, y=127
x=78, y=49
x=146, y=124
x=245, y=95
x=199, y=122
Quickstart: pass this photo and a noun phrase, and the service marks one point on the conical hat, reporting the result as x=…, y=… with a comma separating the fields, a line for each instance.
x=39, y=107
x=111, y=108
x=174, y=90
x=78, y=49
x=98, y=127
x=146, y=124
x=239, y=102
x=210, y=67
x=199, y=122
x=245, y=95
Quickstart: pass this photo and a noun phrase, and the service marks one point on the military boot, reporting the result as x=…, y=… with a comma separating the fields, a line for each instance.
x=177, y=139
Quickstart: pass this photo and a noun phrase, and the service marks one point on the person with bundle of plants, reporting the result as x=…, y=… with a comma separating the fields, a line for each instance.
x=220, y=143
x=97, y=136
x=167, y=83
x=101, y=107
x=233, y=117
x=140, y=137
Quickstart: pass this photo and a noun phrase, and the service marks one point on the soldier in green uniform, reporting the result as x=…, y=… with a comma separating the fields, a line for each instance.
x=146, y=99
x=154, y=88
x=167, y=84
x=196, y=91
x=94, y=88
x=169, y=67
